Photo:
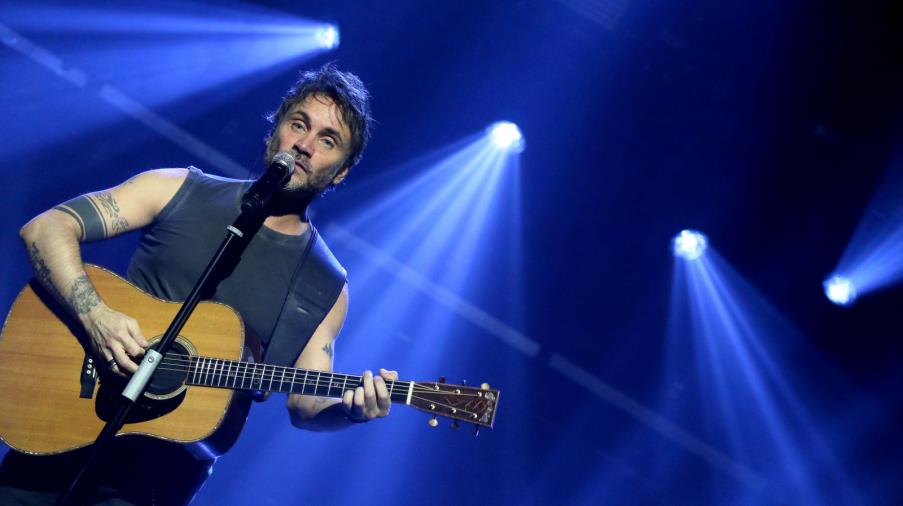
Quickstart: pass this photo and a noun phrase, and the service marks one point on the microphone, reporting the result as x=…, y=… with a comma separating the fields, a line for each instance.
x=272, y=180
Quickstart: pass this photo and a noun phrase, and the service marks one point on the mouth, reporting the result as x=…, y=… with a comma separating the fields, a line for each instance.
x=302, y=167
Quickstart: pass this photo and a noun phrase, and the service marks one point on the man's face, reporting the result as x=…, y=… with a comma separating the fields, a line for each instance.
x=315, y=134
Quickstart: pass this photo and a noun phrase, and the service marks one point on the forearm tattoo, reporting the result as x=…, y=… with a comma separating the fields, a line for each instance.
x=91, y=223
x=82, y=296
x=41, y=271
x=328, y=349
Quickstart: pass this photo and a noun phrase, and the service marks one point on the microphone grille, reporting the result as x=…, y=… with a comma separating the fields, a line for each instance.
x=285, y=160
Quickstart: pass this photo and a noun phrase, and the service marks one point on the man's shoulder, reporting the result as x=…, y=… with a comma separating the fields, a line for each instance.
x=197, y=173
x=160, y=177
x=323, y=255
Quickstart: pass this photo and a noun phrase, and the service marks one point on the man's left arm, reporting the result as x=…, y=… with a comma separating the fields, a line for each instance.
x=364, y=403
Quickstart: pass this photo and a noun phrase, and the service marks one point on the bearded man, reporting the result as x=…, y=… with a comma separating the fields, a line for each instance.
x=288, y=287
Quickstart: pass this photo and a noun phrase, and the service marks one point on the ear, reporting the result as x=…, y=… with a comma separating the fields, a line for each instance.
x=340, y=175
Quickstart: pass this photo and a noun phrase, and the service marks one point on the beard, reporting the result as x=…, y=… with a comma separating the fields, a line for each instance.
x=294, y=197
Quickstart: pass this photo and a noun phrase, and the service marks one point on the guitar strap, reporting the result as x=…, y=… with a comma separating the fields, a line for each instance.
x=315, y=286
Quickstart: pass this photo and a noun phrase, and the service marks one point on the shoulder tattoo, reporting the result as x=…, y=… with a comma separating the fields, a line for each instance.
x=86, y=211
x=82, y=296
x=119, y=224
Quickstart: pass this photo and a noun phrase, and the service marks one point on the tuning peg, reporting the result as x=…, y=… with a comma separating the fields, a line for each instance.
x=441, y=379
x=476, y=430
x=454, y=425
x=484, y=386
x=433, y=422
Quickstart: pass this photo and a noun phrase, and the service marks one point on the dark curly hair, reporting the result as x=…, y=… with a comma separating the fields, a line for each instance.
x=348, y=93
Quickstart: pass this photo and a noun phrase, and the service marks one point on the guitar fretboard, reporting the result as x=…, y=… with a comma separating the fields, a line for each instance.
x=237, y=375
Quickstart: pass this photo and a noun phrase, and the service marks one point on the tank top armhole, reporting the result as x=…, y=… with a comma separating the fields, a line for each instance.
x=181, y=194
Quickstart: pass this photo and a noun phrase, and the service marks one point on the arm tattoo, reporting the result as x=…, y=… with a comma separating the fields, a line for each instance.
x=42, y=272
x=109, y=204
x=320, y=400
x=328, y=349
x=82, y=296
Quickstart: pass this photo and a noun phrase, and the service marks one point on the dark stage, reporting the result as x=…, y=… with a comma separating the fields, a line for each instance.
x=516, y=220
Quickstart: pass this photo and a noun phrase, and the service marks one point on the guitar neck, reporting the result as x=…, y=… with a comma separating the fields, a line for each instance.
x=467, y=403
x=237, y=375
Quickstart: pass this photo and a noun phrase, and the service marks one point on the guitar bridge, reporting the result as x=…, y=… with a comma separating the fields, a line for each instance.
x=88, y=377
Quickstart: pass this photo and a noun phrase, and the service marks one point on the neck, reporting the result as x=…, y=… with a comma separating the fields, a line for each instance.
x=287, y=212
x=288, y=224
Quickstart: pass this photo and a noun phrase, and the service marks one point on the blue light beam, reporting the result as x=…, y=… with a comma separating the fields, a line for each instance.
x=739, y=355
x=419, y=251
x=155, y=55
x=873, y=259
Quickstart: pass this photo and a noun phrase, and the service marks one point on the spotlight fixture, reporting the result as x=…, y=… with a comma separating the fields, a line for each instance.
x=689, y=244
x=505, y=136
x=327, y=36
x=840, y=290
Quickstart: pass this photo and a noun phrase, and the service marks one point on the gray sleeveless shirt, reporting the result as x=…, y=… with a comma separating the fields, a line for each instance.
x=283, y=285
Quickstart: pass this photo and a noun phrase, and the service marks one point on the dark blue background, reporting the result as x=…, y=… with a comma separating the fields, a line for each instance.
x=769, y=125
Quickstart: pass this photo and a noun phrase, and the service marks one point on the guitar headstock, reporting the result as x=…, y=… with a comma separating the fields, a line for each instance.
x=477, y=405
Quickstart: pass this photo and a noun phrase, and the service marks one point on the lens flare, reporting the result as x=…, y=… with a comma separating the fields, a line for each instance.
x=689, y=244
x=506, y=136
x=840, y=290
x=328, y=37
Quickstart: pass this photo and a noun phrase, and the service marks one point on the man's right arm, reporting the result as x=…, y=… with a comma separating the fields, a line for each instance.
x=52, y=239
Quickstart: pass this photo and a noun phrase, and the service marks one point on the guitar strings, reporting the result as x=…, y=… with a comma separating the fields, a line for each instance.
x=324, y=383
x=184, y=364
x=315, y=382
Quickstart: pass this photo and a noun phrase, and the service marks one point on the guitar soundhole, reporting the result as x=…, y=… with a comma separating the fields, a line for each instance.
x=169, y=378
x=164, y=393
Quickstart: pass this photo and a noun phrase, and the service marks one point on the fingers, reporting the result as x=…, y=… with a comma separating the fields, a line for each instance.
x=370, y=395
x=371, y=398
x=383, y=403
x=112, y=364
x=137, y=336
x=357, y=411
x=347, y=401
x=122, y=359
x=118, y=337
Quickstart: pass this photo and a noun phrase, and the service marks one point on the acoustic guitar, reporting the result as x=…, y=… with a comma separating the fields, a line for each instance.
x=57, y=399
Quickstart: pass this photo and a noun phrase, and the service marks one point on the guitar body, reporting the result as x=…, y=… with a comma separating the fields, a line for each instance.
x=42, y=361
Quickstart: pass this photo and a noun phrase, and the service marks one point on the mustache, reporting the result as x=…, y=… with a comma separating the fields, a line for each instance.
x=302, y=159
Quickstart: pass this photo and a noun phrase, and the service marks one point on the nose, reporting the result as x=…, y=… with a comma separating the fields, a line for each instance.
x=304, y=145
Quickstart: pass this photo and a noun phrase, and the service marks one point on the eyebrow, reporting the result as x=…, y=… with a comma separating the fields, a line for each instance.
x=327, y=130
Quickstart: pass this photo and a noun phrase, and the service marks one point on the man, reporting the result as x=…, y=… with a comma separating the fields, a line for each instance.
x=288, y=287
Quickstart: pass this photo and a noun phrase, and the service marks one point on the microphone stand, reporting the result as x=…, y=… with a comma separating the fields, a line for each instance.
x=238, y=235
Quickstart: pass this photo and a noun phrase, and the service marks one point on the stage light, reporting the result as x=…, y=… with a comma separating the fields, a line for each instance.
x=689, y=244
x=506, y=136
x=328, y=36
x=840, y=290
